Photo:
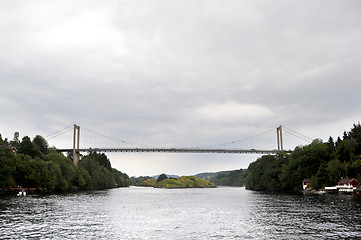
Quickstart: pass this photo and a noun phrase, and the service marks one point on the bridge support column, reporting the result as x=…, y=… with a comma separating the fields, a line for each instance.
x=279, y=138
x=76, y=145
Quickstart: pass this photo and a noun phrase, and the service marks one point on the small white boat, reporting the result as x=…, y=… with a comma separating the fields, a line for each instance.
x=21, y=194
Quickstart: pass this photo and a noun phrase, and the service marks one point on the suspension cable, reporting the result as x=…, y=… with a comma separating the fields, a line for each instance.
x=296, y=134
x=58, y=131
x=59, y=134
x=115, y=139
x=239, y=140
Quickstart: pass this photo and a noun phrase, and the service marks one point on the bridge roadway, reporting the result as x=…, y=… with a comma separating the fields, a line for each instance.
x=171, y=150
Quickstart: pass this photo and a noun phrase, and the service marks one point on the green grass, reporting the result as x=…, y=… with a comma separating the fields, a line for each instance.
x=170, y=183
x=148, y=183
x=182, y=182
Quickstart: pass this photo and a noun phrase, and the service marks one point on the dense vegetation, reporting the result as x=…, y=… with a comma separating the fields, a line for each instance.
x=135, y=180
x=151, y=182
x=236, y=178
x=182, y=182
x=37, y=166
x=325, y=163
x=210, y=175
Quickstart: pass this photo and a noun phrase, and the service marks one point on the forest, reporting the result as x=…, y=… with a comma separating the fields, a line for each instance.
x=235, y=178
x=325, y=163
x=32, y=164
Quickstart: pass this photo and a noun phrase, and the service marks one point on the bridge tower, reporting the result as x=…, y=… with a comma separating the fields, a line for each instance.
x=76, y=144
x=279, y=138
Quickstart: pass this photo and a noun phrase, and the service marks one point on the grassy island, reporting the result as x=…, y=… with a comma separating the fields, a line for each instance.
x=181, y=182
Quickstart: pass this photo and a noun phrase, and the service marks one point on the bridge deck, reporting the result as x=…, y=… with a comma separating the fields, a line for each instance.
x=171, y=150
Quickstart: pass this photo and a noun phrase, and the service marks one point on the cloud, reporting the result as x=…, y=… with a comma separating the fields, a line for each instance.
x=180, y=73
x=231, y=113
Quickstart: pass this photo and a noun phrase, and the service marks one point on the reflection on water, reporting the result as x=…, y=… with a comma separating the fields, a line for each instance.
x=148, y=213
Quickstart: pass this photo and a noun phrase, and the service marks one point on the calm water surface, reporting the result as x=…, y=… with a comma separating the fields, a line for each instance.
x=148, y=213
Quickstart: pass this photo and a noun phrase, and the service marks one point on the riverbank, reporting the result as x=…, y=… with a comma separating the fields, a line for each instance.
x=356, y=191
x=30, y=191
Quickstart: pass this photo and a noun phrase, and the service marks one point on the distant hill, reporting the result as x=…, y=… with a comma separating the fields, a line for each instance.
x=211, y=175
x=181, y=182
x=135, y=180
x=221, y=178
x=168, y=176
x=226, y=178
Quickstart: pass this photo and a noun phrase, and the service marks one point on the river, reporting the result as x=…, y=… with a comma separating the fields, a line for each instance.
x=149, y=213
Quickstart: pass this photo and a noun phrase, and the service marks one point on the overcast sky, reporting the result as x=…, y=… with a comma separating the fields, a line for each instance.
x=179, y=73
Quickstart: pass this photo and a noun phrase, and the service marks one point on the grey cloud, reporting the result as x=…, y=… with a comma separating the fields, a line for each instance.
x=176, y=73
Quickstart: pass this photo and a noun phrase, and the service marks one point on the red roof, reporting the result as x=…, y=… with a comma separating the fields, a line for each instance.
x=347, y=181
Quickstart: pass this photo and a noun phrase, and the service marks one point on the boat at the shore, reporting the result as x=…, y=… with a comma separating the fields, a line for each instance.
x=20, y=191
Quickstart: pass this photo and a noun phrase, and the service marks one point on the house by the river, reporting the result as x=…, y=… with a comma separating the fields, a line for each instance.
x=305, y=183
x=346, y=185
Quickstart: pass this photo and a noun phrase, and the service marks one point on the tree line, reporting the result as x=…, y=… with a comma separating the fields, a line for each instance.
x=325, y=163
x=32, y=164
x=235, y=178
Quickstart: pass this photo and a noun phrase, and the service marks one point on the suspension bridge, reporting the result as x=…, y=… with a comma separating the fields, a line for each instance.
x=220, y=148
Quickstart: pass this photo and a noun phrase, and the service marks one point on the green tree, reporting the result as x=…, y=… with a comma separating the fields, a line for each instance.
x=265, y=173
x=37, y=166
x=336, y=170
x=82, y=179
x=97, y=166
x=234, y=178
x=66, y=166
x=355, y=134
x=121, y=179
x=346, y=150
x=41, y=144
x=356, y=169
x=7, y=166
x=62, y=185
x=322, y=177
x=338, y=142
x=324, y=163
x=162, y=177
x=15, y=142
x=101, y=159
x=291, y=178
x=313, y=155
x=331, y=147
x=55, y=176
x=26, y=147
x=21, y=170
x=135, y=180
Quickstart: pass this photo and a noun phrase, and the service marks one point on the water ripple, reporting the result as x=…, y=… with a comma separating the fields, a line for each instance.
x=147, y=213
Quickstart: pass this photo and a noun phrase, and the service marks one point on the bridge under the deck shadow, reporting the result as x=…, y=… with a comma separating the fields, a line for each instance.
x=76, y=143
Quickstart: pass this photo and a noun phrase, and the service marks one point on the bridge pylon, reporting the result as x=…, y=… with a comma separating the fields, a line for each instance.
x=279, y=138
x=76, y=145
